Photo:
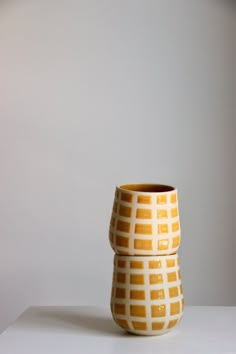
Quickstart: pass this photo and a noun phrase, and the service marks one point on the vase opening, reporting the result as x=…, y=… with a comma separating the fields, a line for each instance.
x=151, y=188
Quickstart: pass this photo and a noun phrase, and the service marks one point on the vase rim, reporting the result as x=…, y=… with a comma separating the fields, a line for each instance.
x=146, y=188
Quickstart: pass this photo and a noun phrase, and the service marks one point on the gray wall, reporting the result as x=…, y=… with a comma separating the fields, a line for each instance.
x=234, y=147
x=99, y=93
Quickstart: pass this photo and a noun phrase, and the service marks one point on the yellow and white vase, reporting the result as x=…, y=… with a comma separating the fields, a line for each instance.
x=145, y=220
x=147, y=296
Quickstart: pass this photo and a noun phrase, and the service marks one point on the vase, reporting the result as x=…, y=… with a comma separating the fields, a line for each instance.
x=145, y=220
x=147, y=296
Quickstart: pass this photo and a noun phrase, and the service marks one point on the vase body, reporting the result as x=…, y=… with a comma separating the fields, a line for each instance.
x=147, y=296
x=145, y=222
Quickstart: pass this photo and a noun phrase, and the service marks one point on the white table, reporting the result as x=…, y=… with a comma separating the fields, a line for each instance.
x=84, y=330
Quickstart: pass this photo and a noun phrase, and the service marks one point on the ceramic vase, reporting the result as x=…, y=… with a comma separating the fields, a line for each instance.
x=144, y=232
x=147, y=296
x=145, y=220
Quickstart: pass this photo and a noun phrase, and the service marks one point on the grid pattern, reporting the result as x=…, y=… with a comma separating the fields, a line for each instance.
x=147, y=296
x=145, y=223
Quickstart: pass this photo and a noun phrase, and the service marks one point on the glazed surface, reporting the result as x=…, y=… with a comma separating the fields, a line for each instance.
x=147, y=296
x=145, y=224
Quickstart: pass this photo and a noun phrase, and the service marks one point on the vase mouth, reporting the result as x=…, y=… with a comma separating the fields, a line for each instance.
x=146, y=188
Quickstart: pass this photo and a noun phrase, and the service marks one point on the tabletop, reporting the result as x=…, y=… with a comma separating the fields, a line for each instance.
x=85, y=330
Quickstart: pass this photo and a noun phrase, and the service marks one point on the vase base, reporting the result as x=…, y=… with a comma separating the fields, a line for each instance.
x=149, y=334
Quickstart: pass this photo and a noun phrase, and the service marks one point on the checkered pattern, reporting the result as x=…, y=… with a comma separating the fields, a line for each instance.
x=147, y=295
x=145, y=223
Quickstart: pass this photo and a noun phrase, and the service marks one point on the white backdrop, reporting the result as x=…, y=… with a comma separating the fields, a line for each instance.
x=99, y=93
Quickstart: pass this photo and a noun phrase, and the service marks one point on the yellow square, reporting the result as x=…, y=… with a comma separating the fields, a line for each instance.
x=176, y=241
x=143, y=229
x=138, y=310
x=154, y=264
x=174, y=291
x=122, y=323
x=120, y=309
x=125, y=211
x=158, y=310
x=175, y=226
x=137, y=294
x=122, y=241
x=139, y=325
x=173, y=198
x=121, y=264
x=162, y=229
x=115, y=207
x=162, y=213
x=163, y=244
x=172, y=323
x=126, y=197
x=123, y=226
x=174, y=212
x=137, y=279
x=136, y=264
x=144, y=199
x=120, y=293
x=175, y=308
x=155, y=278
x=143, y=244
x=170, y=263
x=157, y=326
x=121, y=277
x=113, y=221
x=157, y=294
x=143, y=213
x=171, y=276
x=162, y=199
